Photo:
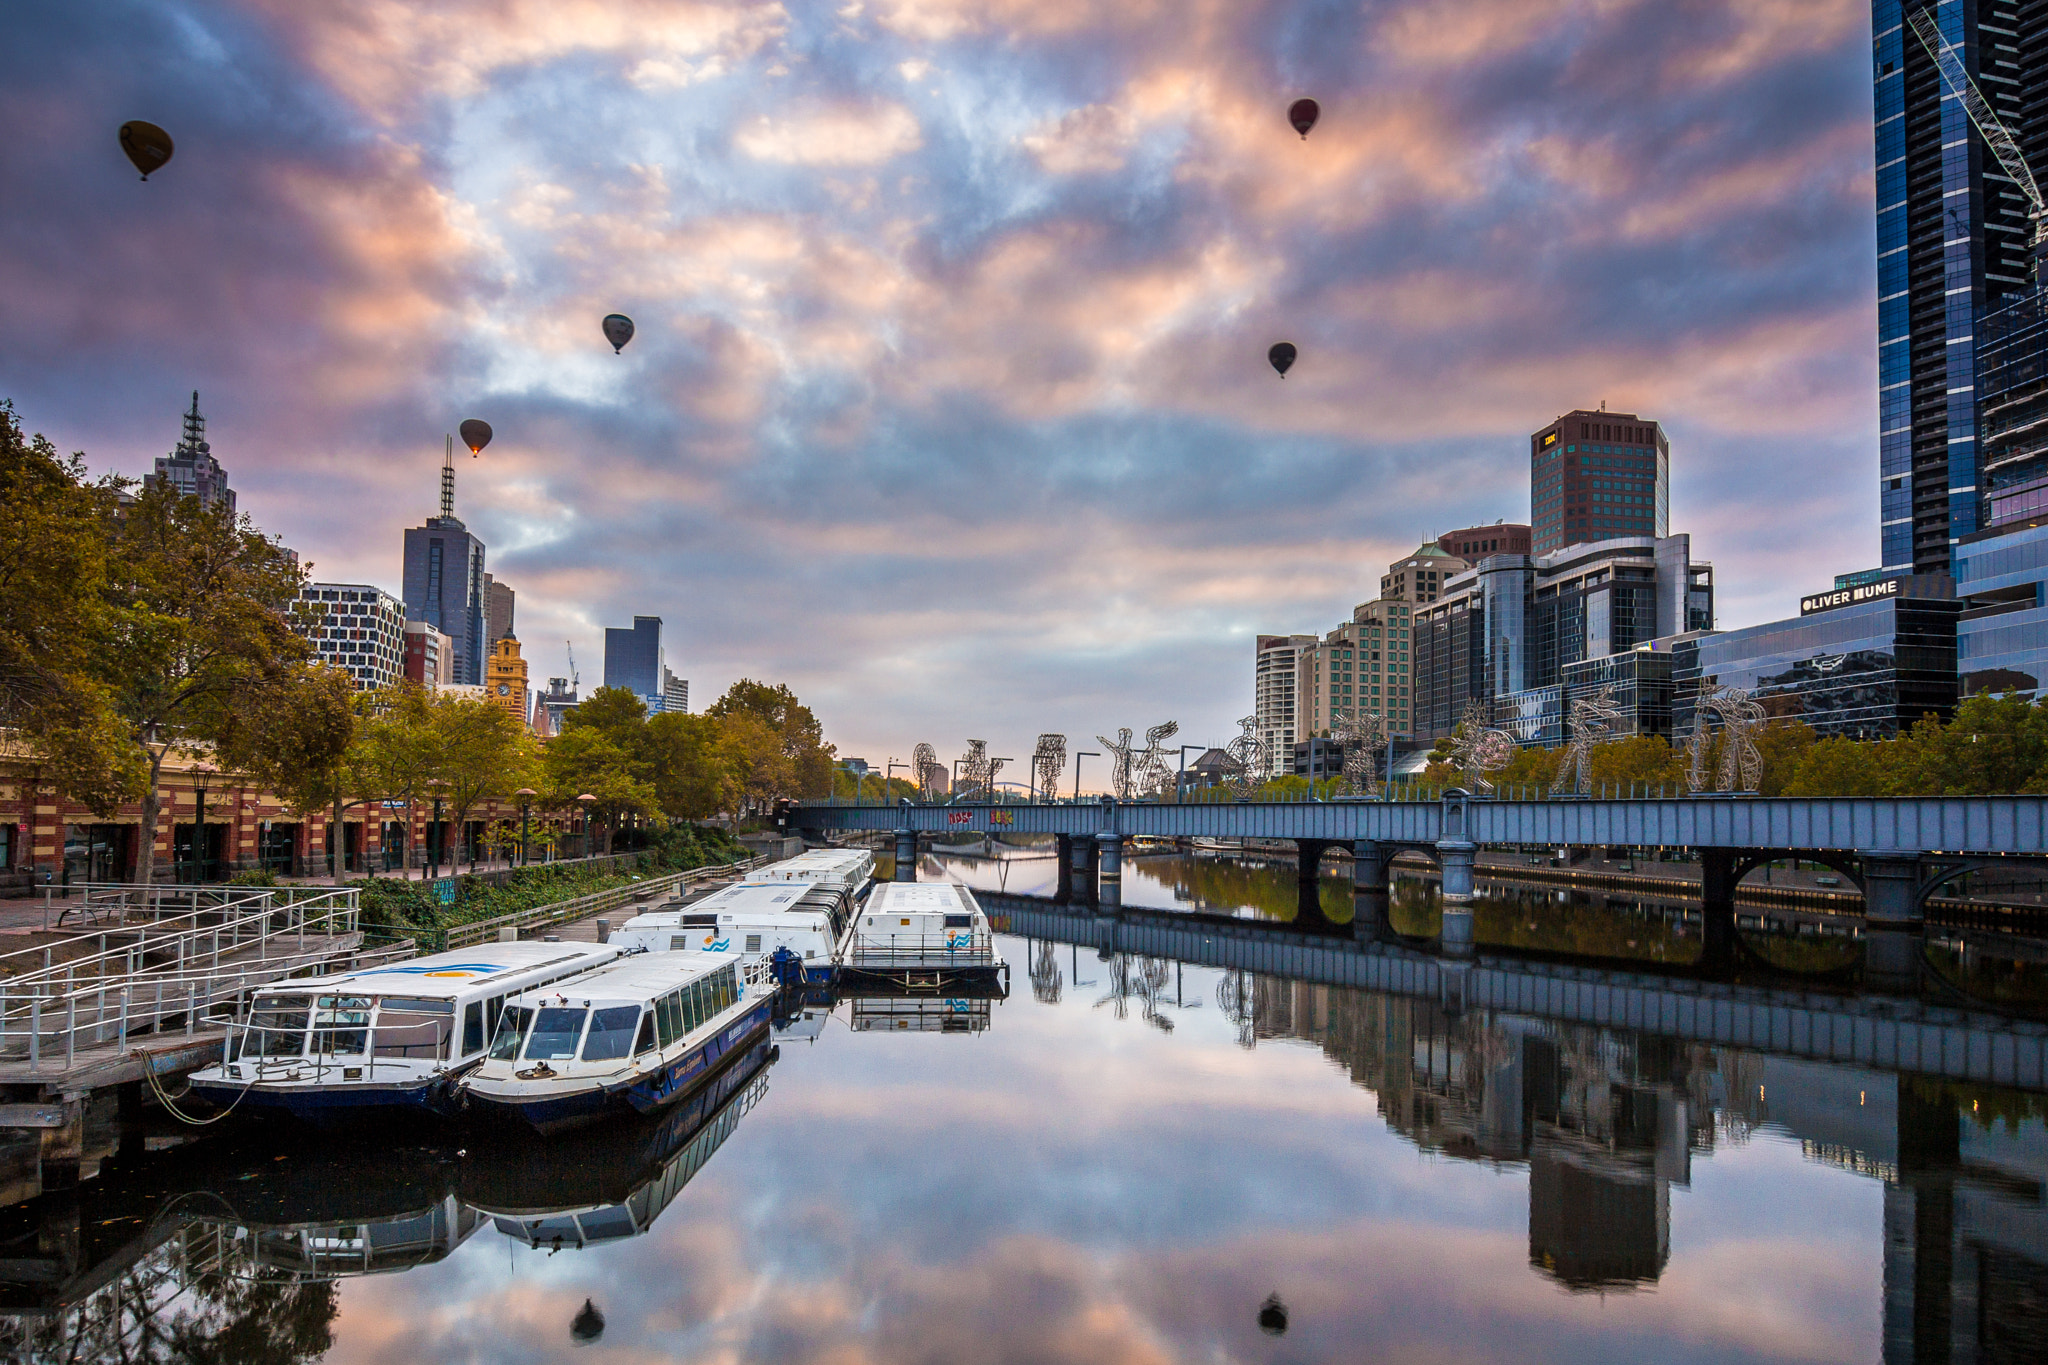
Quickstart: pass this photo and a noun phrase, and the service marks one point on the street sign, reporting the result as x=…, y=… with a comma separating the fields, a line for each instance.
x=444, y=891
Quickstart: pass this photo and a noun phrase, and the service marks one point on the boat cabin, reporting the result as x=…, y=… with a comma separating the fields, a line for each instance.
x=751, y=919
x=920, y=926
x=850, y=868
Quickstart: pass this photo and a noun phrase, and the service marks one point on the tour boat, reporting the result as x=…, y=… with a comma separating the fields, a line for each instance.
x=392, y=1037
x=638, y=1034
x=921, y=934
x=799, y=924
x=850, y=868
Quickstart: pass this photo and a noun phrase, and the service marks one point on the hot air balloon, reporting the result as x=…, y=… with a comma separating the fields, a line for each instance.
x=1273, y=1316
x=1282, y=356
x=588, y=1324
x=476, y=435
x=1303, y=114
x=147, y=145
x=618, y=330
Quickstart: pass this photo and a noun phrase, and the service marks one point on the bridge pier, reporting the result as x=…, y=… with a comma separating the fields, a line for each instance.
x=1717, y=909
x=1893, y=928
x=1081, y=870
x=906, y=855
x=1368, y=865
x=1455, y=857
x=1109, y=880
x=1368, y=914
x=1063, y=859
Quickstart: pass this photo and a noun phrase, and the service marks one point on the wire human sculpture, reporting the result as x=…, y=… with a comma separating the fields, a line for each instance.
x=975, y=775
x=1237, y=997
x=1741, y=716
x=926, y=769
x=1046, y=978
x=1248, y=752
x=1135, y=772
x=1048, y=762
x=1478, y=749
x=1594, y=720
x=1363, y=735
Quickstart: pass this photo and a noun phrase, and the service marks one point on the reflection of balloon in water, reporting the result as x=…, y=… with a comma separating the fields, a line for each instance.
x=1273, y=1316
x=1303, y=114
x=618, y=330
x=588, y=1324
x=147, y=145
x=1282, y=356
x=476, y=435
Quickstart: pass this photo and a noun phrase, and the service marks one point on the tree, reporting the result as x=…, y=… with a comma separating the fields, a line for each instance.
x=797, y=732
x=1639, y=759
x=480, y=752
x=297, y=739
x=618, y=711
x=1784, y=745
x=760, y=764
x=687, y=766
x=196, y=632
x=584, y=760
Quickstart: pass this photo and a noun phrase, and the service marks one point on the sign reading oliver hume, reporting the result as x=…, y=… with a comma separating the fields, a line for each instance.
x=1849, y=597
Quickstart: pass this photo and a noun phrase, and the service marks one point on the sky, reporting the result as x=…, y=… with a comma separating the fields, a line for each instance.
x=949, y=404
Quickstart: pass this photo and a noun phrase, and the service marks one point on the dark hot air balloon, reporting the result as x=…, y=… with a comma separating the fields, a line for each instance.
x=1273, y=1316
x=147, y=145
x=1303, y=114
x=618, y=330
x=588, y=1324
x=476, y=435
x=1282, y=356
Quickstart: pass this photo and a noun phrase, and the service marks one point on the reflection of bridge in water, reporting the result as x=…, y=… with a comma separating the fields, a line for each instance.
x=1605, y=1084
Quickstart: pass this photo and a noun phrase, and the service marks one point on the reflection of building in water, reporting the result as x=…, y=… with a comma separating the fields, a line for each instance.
x=1607, y=1122
x=918, y=1014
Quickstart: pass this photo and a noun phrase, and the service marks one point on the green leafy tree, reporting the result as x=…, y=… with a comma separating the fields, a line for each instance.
x=687, y=766
x=585, y=760
x=480, y=753
x=809, y=760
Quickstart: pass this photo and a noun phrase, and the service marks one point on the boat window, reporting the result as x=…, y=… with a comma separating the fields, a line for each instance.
x=511, y=1028
x=700, y=921
x=340, y=1024
x=677, y=943
x=688, y=996
x=671, y=1017
x=555, y=1034
x=472, y=1027
x=753, y=943
x=728, y=988
x=493, y=1007
x=418, y=1029
x=959, y=921
x=277, y=1027
x=611, y=1033
x=645, y=1042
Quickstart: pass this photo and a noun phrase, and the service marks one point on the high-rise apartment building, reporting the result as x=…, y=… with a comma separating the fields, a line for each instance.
x=498, y=603
x=1595, y=476
x=429, y=655
x=505, y=678
x=1952, y=243
x=675, y=693
x=633, y=660
x=444, y=581
x=1361, y=667
x=1476, y=542
x=359, y=629
x=190, y=467
x=1277, y=676
x=550, y=706
x=1420, y=576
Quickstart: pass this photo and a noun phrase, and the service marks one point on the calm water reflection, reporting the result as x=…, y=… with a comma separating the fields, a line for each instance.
x=1122, y=1162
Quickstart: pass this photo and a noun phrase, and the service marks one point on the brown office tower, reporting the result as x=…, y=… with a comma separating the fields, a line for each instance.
x=1598, y=476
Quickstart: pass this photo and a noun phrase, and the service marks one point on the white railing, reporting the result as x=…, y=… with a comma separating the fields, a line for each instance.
x=233, y=927
x=579, y=907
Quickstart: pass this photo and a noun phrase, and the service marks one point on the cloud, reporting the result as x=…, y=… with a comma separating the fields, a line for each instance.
x=857, y=135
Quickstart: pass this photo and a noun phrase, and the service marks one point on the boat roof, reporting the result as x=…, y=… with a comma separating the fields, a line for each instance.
x=903, y=898
x=817, y=862
x=761, y=897
x=636, y=977
x=447, y=975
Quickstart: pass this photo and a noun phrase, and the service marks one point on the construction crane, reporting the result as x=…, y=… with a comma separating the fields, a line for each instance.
x=1996, y=136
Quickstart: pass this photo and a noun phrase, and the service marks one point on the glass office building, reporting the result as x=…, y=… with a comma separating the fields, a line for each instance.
x=444, y=587
x=1864, y=671
x=2002, y=639
x=1952, y=243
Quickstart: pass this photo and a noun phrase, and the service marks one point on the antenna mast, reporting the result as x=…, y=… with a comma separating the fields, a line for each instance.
x=448, y=479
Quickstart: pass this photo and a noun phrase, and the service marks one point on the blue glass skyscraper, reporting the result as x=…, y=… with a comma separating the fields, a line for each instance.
x=444, y=580
x=1952, y=242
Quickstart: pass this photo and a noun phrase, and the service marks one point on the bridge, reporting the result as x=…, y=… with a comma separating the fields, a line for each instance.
x=1897, y=850
x=1887, y=1032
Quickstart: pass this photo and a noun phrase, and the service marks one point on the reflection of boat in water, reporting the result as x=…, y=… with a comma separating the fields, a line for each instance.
x=919, y=1014
x=613, y=1183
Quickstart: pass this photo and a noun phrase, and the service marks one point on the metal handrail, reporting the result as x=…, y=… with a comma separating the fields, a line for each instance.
x=239, y=931
x=484, y=930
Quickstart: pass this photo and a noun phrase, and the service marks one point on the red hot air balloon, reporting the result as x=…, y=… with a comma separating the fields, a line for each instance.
x=1281, y=356
x=618, y=330
x=476, y=435
x=147, y=145
x=1303, y=114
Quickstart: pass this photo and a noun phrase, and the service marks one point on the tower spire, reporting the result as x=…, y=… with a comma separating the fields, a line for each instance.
x=447, y=477
x=195, y=429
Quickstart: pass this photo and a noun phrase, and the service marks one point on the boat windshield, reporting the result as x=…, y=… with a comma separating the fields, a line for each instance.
x=412, y=1028
x=555, y=1034
x=511, y=1029
x=611, y=1033
x=277, y=1027
x=340, y=1024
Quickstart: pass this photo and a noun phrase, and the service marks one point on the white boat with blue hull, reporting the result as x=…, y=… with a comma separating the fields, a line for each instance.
x=797, y=924
x=385, y=1038
x=639, y=1035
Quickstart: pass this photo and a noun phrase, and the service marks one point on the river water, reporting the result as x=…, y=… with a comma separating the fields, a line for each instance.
x=1129, y=1159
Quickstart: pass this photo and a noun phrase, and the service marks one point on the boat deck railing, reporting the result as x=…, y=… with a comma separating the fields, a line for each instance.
x=563, y=912
x=955, y=948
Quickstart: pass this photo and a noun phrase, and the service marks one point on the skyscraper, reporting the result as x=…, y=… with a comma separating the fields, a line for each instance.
x=1596, y=476
x=633, y=660
x=1952, y=242
x=444, y=581
x=190, y=467
x=499, y=600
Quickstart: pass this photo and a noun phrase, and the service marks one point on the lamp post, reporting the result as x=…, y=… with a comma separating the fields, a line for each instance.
x=525, y=795
x=436, y=836
x=1180, y=782
x=992, y=789
x=890, y=776
x=200, y=774
x=585, y=800
x=1080, y=754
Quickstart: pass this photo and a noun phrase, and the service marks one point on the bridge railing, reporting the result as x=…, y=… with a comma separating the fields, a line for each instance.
x=1322, y=791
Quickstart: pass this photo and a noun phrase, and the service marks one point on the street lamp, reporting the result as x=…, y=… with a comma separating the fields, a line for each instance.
x=436, y=835
x=525, y=795
x=889, y=776
x=586, y=799
x=1180, y=783
x=200, y=774
x=1078, y=756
